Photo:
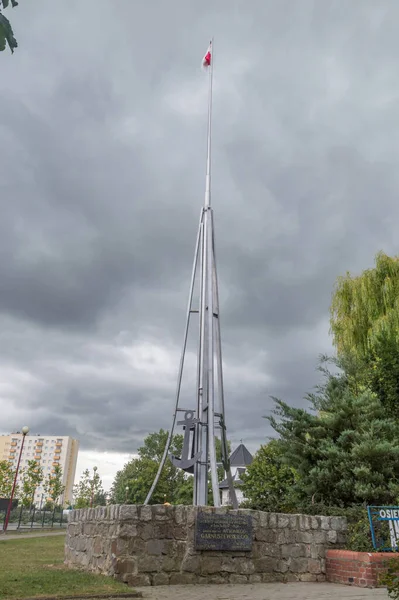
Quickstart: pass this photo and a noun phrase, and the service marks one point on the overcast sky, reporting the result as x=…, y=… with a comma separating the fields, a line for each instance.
x=103, y=130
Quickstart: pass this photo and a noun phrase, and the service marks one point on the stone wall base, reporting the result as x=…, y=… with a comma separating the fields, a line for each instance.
x=155, y=545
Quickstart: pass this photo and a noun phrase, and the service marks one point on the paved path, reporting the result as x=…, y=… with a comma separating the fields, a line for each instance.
x=262, y=591
x=24, y=536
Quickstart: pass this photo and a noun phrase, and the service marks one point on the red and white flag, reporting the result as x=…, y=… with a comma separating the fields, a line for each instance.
x=206, y=61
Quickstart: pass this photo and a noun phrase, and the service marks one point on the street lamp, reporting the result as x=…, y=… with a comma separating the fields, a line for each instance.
x=127, y=491
x=25, y=431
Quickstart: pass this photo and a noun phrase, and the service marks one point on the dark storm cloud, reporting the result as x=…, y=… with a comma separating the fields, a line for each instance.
x=103, y=124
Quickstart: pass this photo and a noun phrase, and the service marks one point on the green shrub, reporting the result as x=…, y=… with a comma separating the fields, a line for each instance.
x=391, y=579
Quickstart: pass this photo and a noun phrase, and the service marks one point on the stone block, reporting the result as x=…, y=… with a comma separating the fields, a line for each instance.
x=234, y=578
x=180, y=515
x=128, y=513
x=293, y=550
x=282, y=566
x=229, y=565
x=154, y=547
x=293, y=521
x=283, y=521
x=216, y=579
x=126, y=565
x=272, y=520
x=160, y=579
x=325, y=523
x=149, y=564
x=341, y=538
x=255, y=578
x=304, y=537
x=191, y=563
x=266, y=535
x=210, y=565
x=314, y=565
x=298, y=565
x=245, y=567
x=136, y=545
x=319, y=537
x=146, y=513
x=179, y=532
x=146, y=531
x=182, y=578
x=266, y=564
x=263, y=519
x=332, y=536
x=268, y=577
x=139, y=580
x=315, y=523
x=260, y=549
x=286, y=536
x=191, y=514
x=308, y=577
x=122, y=546
x=98, y=545
x=304, y=522
x=171, y=563
x=127, y=530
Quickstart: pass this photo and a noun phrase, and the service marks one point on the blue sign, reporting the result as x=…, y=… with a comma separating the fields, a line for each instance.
x=384, y=526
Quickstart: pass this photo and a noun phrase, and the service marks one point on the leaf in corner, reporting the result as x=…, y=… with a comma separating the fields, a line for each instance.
x=5, y=3
x=6, y=34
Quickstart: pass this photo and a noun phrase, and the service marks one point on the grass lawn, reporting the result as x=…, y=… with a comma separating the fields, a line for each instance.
x=32, y=568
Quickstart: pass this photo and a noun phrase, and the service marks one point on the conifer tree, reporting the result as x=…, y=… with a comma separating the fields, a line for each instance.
x=347, y=451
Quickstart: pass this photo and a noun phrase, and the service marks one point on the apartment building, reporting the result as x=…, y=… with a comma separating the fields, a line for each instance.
x=48, y=451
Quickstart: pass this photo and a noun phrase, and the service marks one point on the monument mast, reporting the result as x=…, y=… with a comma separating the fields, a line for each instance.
x=202, y=423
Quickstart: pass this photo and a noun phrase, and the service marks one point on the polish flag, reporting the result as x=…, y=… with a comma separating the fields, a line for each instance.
x=206, y=61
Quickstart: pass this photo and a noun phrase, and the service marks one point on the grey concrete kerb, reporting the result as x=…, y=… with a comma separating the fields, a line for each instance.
x=262, y=591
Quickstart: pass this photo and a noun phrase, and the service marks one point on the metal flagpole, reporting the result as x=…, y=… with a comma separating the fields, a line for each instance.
x=199, y=446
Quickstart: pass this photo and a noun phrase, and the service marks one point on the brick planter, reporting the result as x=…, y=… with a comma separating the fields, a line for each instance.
x=360, y=569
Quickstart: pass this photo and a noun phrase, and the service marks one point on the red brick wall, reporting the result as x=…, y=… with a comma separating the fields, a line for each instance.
x=361, y=569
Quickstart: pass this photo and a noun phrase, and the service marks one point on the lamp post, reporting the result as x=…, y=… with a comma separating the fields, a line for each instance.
x=25, y=431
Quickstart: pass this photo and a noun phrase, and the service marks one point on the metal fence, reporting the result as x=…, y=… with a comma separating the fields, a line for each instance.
x=23, y=518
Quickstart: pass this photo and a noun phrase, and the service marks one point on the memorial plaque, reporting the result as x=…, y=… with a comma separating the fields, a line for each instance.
x=223, y=532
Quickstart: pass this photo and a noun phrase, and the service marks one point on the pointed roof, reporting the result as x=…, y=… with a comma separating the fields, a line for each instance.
x=240, y=457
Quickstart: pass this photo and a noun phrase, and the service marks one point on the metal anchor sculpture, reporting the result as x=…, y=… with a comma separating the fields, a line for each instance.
x=188, y=458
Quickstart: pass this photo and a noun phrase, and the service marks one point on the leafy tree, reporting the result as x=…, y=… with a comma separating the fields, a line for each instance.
x=7, y=475
x=6, y=32
x=268, y=482
x=133, y=482
x=53, y=486
x=365, y=326
x=89, y=491
x=32, y=476
x=347, y=453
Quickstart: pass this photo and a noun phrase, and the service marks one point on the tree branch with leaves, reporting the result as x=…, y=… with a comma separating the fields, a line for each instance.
x=6, y=32
x=7, y=475
x=53, y=486
x=32, y=476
